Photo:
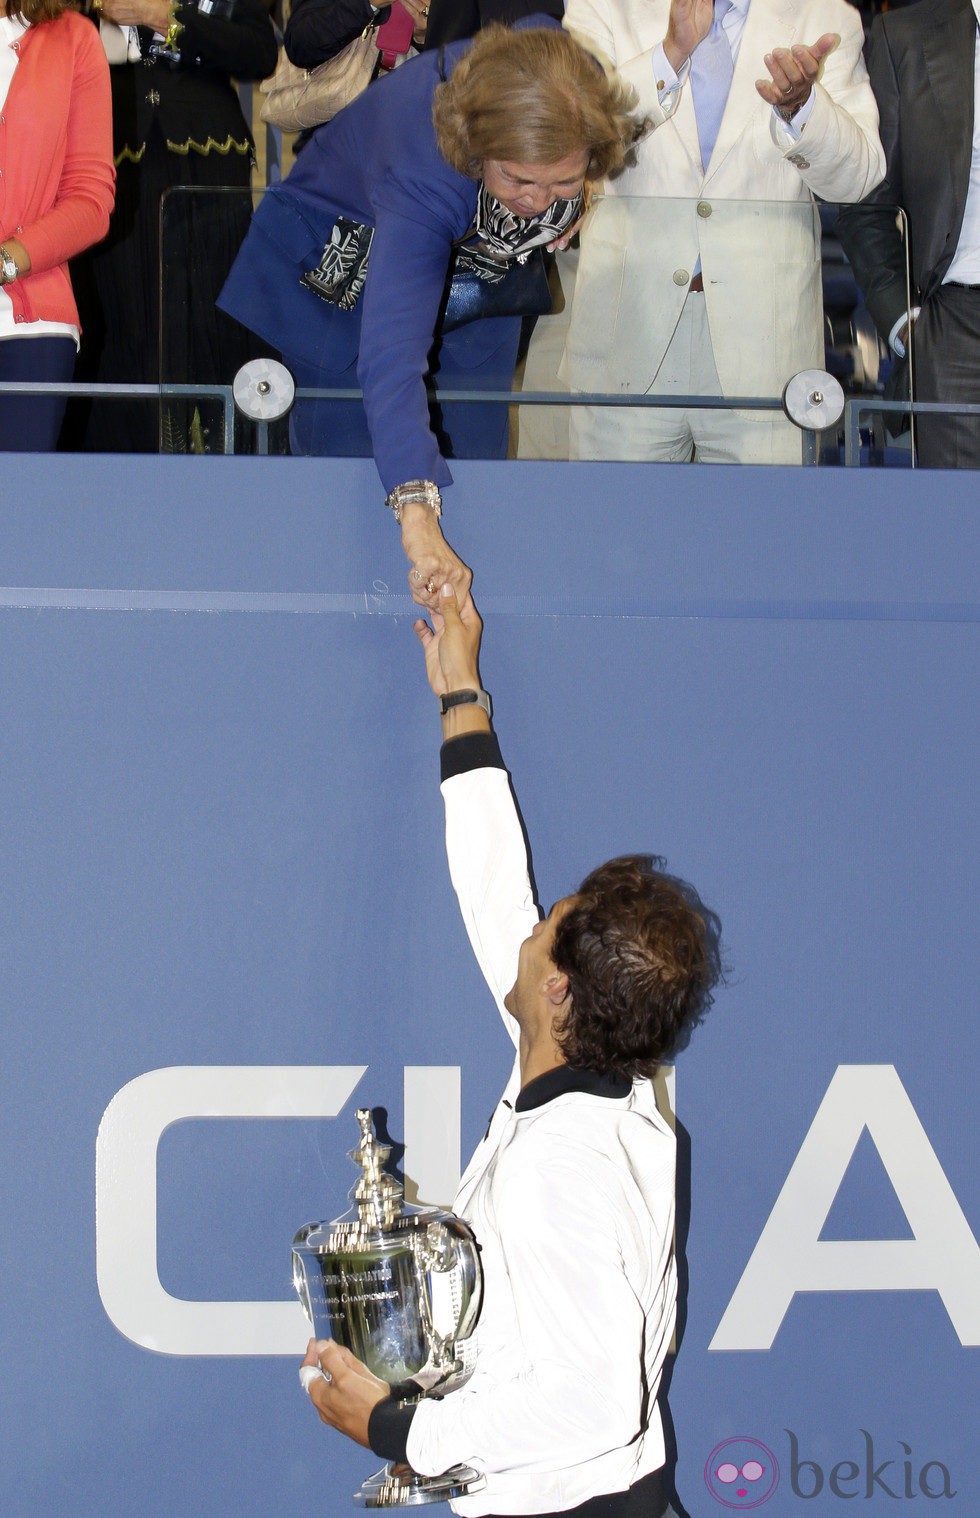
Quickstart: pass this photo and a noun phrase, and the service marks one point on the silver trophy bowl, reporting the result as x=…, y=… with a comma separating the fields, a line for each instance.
x=400, y=1287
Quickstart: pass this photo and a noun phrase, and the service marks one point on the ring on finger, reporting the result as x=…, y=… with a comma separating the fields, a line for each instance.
x=417, y=575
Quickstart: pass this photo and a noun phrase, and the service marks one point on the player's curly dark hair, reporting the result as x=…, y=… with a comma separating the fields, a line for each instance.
x=641, y=954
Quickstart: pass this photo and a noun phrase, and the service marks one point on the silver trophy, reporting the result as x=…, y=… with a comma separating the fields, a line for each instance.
x=400, y=1287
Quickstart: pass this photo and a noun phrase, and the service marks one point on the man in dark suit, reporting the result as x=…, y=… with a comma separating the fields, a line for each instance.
x=925, y=72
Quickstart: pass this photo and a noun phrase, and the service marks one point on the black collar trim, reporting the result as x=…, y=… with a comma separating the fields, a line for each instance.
x=558, y=1082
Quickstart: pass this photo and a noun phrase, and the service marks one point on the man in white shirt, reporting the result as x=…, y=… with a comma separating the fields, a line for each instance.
x=699, y=270
x=571, y=1192
x=925, y=69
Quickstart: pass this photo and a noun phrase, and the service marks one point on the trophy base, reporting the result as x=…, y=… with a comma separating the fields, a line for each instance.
x=400, y=1486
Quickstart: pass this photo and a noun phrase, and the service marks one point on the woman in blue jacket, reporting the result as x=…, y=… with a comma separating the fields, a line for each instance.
x=487, y=142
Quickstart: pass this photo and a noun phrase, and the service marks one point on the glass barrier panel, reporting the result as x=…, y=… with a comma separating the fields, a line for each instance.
x=648, y=353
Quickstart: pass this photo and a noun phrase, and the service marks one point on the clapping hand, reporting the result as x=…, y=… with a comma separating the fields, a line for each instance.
x=794, y=70
x=688, y=24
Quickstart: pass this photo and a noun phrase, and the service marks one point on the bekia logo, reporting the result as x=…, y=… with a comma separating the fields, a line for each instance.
x=742, y=1473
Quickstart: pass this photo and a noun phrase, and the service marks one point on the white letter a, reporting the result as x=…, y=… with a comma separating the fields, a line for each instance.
x=790, y=1256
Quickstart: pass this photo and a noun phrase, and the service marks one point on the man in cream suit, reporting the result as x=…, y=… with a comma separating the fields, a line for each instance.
x=699, y=270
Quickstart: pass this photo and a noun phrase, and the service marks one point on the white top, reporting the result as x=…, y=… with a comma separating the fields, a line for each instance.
x=572, y=1204
x=12, y=28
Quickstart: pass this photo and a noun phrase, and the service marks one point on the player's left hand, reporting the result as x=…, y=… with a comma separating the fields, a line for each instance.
x=793, y=71
x=346, y=1394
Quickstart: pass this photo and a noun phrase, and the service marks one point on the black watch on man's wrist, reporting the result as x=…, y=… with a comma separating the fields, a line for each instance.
x=465, y=698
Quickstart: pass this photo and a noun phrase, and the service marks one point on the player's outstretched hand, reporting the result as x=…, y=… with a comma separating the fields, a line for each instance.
x=452, y=643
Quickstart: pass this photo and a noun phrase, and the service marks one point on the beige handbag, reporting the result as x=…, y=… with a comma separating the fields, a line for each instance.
x=300, y=98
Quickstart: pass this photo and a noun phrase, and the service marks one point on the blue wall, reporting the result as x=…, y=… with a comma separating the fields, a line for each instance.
x=223, y=848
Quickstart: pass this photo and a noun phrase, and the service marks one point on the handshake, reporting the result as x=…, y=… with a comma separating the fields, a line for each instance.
x=452, y=663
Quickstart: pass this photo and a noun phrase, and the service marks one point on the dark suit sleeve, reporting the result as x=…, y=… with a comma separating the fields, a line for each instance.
x=244, y=47
x=320, y=29
x=869, y=232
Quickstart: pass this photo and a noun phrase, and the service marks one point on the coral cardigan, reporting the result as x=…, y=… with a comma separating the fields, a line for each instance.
x=57, y=180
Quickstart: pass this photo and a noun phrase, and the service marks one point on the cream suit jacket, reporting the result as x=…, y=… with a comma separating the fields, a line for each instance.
x=750, y=216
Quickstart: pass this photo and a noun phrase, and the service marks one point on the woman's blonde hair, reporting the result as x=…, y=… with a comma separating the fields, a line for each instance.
x=533, y=96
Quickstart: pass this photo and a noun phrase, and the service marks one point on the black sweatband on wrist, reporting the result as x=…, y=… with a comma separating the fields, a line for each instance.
x=388, y=1429
x=470, y=751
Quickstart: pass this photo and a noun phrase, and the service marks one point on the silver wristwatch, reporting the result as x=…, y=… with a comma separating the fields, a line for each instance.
x=465, y=698
x=414, y=493
x=8, y=268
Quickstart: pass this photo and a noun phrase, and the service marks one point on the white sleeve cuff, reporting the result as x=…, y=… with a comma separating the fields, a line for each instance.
x=894, y=341
x=792, y=130
x=668, y=81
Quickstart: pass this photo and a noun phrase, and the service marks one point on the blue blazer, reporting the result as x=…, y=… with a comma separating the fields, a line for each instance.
x=376, y=162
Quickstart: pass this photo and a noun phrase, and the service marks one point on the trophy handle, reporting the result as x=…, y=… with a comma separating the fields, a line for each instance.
x=299, y=1274
x=467, y=1276
x=447, y=1262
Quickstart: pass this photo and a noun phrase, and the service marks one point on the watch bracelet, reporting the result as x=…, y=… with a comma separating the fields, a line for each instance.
x=414, y=493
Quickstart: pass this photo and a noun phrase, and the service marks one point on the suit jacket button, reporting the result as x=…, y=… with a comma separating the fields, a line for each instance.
x=681, y=277
x=704, y=209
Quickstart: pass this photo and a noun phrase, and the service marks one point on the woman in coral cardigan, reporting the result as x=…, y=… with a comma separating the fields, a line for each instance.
x=56, y=193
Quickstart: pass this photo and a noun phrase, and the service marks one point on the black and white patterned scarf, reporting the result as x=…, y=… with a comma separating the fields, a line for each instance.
x=497, y=235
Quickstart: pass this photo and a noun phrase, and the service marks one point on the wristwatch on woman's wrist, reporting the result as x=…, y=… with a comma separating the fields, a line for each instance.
x=414, y=493
x=8, y=266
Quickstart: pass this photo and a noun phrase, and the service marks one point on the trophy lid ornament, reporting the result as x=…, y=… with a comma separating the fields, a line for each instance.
x=376, y=1195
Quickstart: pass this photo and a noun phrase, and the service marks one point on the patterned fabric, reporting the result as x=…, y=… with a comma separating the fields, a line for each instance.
x=498, y=235
x=339, y=277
